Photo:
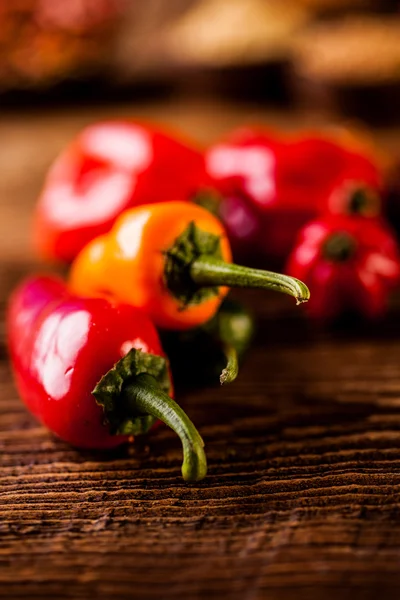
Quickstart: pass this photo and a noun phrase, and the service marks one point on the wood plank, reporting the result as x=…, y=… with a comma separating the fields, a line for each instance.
x=303, y=493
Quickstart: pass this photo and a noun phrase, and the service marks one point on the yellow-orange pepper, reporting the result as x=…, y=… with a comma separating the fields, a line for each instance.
x=173, y=261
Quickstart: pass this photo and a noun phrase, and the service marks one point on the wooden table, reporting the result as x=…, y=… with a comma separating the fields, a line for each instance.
x=302, y=497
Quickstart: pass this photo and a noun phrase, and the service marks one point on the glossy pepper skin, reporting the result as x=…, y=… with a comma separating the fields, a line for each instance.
x=109, y=167
x=171, y=260
x=349, y=264
x=272, y=185
x=73, y=360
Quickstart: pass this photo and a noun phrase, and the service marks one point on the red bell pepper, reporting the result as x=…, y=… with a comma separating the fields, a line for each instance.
x=93, y=371
x=107, y=168
x=349, y=264
x=272, y=186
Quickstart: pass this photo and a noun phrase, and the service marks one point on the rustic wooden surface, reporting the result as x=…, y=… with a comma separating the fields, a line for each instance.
x=302, y=497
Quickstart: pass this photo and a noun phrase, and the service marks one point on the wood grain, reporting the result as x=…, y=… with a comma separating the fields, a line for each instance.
x=302, y=499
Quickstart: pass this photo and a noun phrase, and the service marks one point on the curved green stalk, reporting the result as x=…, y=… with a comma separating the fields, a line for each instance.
x=210, y=271
x=145, y=395
x=231, y=370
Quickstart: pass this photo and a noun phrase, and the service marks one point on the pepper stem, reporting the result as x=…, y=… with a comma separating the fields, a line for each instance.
x=230, y=372
x=210, y=271
x=145, y=395
x=339, y=247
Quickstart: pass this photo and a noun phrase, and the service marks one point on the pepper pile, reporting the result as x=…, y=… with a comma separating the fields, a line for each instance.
x=127, y=205
x=313, y=205
x=86, y=355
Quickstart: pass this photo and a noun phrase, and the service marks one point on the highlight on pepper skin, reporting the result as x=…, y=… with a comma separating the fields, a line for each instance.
x=92, y=371
x=271, y=184
x=109, y=167
x=350, y=263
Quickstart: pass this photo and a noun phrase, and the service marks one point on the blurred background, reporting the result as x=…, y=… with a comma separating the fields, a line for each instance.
x=331, y=53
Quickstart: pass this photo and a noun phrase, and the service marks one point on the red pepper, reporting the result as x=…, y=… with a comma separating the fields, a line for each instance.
x=92, y=371
x=357, y=189
x=107, y=168
x=349, y=264
x=272, y=186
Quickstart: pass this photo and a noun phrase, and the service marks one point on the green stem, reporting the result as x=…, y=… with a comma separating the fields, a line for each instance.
x=210, y=271
x=144, y=394
x=230, y=372
x=339, y=247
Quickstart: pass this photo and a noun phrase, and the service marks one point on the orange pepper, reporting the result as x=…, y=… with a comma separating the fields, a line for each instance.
x=172, y=260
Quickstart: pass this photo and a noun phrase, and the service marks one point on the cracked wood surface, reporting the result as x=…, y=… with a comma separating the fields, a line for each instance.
x=302, y=499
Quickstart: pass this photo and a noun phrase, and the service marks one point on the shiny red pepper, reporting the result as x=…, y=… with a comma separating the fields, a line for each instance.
x=349, y=264
x=271, y=186
x=92, y=371
x=107, y=168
